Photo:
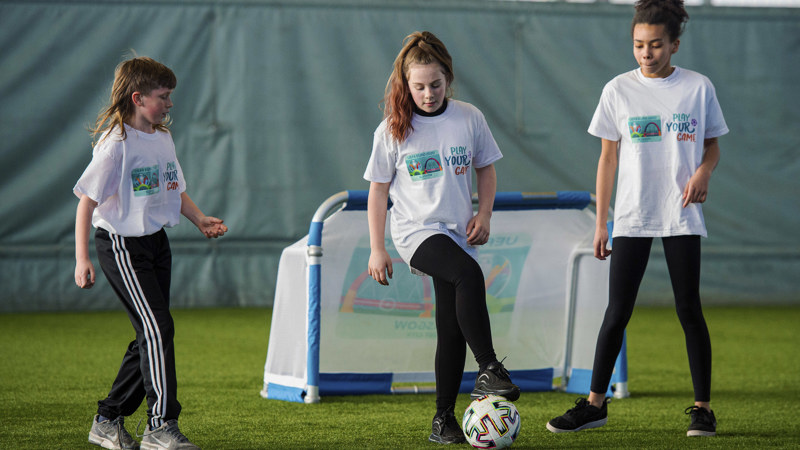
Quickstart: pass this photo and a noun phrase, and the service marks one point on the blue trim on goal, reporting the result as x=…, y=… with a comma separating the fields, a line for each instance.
x=503, y=201
x=315, y=233
x=356, y=201
x=285, y=393
x=580, y=380
x=354, y=383
x=314, y=320
x=528, y=380
x=511, y=201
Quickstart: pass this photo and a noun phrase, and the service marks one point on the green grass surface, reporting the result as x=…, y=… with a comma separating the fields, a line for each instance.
x=56, y=366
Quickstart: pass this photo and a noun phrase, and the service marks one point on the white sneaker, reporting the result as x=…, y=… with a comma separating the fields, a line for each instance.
x=112, y=434
x=166, y=437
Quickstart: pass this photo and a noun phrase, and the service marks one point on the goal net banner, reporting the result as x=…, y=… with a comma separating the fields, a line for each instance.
x=370, y=336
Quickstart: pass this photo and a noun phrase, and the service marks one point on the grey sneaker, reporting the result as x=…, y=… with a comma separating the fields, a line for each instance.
x=111, y=434
x=166, y=437
x=703, y=422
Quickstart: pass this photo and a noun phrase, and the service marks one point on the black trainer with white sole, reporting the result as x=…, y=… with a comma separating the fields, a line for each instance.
x=581, y=417
x=703, y=422
x=445, y=429
x=495, y=380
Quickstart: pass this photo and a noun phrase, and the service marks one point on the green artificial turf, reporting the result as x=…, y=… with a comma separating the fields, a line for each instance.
x=55, y=366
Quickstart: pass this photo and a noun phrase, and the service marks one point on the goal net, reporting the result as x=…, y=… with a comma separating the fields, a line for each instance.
x=335, y=331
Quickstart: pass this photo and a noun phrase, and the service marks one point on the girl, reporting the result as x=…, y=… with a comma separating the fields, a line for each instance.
x=659, y=124
x=131, y=190
x=421, y=158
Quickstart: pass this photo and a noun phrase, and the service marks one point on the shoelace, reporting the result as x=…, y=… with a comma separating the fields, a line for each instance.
x=171, y=428
x=580, y=403
x=137, y=428
x=698, y=414
x=583, y=403
x=501, y=371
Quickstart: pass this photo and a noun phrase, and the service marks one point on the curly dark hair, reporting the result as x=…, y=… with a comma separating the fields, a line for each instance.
x=669, y=13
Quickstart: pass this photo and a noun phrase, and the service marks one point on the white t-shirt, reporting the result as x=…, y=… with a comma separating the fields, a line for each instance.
x=661, y=124
x=431, y=174
x=136, y=182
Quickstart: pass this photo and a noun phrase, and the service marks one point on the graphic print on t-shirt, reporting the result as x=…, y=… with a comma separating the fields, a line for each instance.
x=145, y=181
x=171, y=176
x=684, y=126
x=460, y=159
x=425, y=165
x=645, y=129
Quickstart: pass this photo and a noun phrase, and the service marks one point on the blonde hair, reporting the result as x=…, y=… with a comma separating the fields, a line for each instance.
x=138, y=74
x=398, y=107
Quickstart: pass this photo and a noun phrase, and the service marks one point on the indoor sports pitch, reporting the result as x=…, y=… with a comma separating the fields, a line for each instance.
x=55, y=368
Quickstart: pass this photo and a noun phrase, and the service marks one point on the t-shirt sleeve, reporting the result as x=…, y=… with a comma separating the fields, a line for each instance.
x=603, y=124
x=181, y=178
x=486, y=149
x=715, y=121
x=101, y=178
x=381, y=165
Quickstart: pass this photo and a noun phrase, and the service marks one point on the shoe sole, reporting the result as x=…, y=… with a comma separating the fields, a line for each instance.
x=103, y=442
x=595, y=424
x=511, y=396
x=700, y=433
x=438, y=440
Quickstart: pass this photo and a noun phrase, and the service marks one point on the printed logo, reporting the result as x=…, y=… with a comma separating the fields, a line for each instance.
x=171, y=176
x=145, y=181
x=459, y=159
x=645, y=129
x=425, y=165
x=406, y=308
x=684, y=126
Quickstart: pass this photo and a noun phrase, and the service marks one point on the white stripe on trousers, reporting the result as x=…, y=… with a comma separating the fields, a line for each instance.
x=152, y=334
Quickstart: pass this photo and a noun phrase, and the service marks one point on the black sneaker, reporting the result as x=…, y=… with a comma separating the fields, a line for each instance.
x=703, y=422
x=583, y=416
x=495, y=380
x=445, y=429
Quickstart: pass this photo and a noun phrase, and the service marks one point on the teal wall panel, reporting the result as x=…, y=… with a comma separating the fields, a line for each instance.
x=276, y=104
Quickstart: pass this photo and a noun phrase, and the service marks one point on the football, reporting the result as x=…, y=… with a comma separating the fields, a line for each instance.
x=491, y=422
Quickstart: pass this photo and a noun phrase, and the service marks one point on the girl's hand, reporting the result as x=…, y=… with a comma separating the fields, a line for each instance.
x=84, y=274
x=380, y=263
x=211, y=227
x=696, y=189
x=478, y=229
x=601, y=250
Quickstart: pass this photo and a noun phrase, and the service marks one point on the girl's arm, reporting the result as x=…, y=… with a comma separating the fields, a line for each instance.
x=696, y=189
x=380, y=263
x=478, y=226
x=211, y=227
x=84, y=270
x=606, y=170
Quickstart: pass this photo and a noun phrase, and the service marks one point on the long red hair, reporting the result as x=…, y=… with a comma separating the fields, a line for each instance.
x=420, y=47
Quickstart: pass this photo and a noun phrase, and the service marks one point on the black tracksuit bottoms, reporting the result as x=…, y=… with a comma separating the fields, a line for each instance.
x=139, y=270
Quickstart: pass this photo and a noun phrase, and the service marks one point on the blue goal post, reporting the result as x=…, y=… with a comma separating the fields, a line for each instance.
x=336, y=332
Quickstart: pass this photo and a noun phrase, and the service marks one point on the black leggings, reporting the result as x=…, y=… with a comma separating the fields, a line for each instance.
x=628, y=263
x=461, y=313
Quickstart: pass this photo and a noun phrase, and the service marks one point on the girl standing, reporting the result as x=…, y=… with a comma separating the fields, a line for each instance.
x=422, y=154
x=132, y=189
x=659, y=125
